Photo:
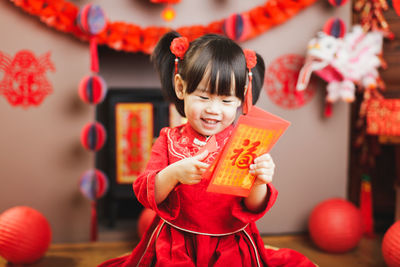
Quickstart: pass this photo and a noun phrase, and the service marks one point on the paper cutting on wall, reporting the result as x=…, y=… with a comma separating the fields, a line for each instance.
x=24, y=80
x=134, y=138
x=280, y=82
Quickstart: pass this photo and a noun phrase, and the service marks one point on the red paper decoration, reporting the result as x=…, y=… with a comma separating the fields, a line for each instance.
x=24, y=82
x=61, y=15
x=280, y=82
x=391, y=245
x=25, y=235
x=93, y=136
x=383, y=117
x=93, y=184
x=396, y=6
x=335, y=27
x=237, y=27
x=335, y=225
x=338, y=2
x=92, y=89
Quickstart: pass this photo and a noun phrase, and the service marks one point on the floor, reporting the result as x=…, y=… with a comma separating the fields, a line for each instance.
x=367, y=254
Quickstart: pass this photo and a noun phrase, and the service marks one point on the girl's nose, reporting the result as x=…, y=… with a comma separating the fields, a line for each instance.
x=213, y=107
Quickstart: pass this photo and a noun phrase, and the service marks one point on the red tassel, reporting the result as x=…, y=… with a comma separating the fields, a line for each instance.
x=93, y=223
x=94, y=59
x=248, y=99
x=328, y=109
x=366, y=206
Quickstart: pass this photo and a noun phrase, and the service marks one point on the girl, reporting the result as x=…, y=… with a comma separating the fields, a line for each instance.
x=194, y=227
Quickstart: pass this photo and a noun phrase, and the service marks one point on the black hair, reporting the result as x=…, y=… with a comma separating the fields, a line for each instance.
x=214, y=55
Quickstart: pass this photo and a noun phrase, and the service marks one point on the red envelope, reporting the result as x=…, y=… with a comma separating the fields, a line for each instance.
x=255, y=134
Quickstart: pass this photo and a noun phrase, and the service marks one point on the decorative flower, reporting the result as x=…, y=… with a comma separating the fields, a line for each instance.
x=251, y=58
x=179, y=46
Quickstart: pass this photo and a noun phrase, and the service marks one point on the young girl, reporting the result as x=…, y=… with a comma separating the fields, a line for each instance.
x=194, y=227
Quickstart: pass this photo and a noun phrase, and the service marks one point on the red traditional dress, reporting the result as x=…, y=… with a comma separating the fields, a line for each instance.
x=195, y=227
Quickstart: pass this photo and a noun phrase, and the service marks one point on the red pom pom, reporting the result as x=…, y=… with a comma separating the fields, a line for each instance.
x=391, y=245
x=251, y=58
x=179, y=46
x=92, y=89
x=335, y=225
x=25, y=235
x=145, y=219
x=93, y=136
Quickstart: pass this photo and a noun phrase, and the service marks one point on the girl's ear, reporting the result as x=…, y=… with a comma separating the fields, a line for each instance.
x=180, y=86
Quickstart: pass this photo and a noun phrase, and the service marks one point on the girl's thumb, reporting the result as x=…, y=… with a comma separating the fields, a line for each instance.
x=202, y=155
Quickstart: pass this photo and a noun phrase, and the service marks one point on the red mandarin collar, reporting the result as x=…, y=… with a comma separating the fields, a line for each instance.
x=192, y=134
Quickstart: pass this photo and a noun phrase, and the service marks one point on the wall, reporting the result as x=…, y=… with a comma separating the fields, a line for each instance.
x=40, y=154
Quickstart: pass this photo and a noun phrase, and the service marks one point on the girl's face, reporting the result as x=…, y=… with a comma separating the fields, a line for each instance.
x=207, y=113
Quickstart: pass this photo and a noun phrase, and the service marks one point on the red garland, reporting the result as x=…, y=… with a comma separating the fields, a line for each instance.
x=61, y=15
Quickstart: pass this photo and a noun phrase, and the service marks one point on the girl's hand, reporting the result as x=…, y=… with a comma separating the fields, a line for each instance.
x=190, y=170
x=263, y=167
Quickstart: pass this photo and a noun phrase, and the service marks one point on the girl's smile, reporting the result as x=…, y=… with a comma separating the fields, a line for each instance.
x=207, y=113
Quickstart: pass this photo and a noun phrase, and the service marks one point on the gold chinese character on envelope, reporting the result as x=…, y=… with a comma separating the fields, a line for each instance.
x=254, y=135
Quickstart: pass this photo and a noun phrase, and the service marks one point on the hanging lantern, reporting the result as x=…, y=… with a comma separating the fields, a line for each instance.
x=338, y=2
x=93, y=184
x=93, y=136
x=91, y=20
x=237, y=27
x=168, y=13
x=335, y=27
x=92, y=89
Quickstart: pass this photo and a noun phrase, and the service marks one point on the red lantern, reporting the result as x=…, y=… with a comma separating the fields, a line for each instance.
x=145, y=219
x=25, y=235
x=335, y=27
x=335, y=225
x=93, y=136
x=391, y=245
x=237, y=27
x=92, y=89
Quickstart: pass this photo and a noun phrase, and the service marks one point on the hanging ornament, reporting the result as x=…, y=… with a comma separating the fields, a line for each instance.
x=337, y=3
x=168, y=14
x=165, y=1
x=335, y=27
x=93, y=184
x=371, y=16
x=91, y=20
x=24, y=81
x=366, y=206
x=237, y=27
x=93, y=136
x=92, y=89
x=280, y=82
x=396, y=6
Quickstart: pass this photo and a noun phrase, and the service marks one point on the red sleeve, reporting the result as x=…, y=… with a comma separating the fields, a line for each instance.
x=243, y=214
x=144, y=184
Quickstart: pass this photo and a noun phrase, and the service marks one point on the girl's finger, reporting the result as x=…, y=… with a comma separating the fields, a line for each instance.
x=266, y=157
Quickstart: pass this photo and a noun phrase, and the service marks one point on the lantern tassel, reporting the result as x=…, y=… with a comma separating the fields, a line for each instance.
x=248, y=100
x=366, y=206
x=93, y=224
x=94, y=59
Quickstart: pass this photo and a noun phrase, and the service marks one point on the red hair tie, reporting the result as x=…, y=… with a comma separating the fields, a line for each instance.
x=251, y=62
x=178, y=47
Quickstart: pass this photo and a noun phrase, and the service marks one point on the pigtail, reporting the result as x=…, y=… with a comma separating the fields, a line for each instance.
x=258, y=78
x=164, y=62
